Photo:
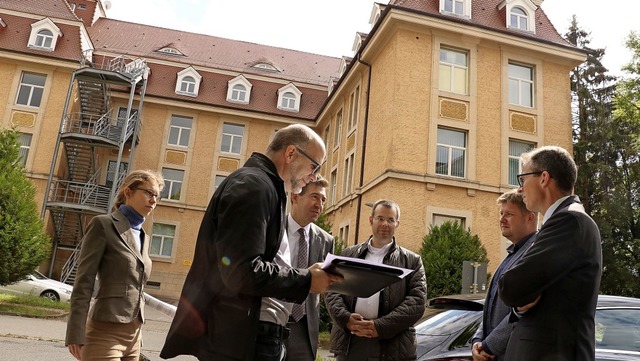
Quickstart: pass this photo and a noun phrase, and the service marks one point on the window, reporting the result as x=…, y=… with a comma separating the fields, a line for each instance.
x=188, y=82
x=288, y=101
x=521, y=85
x=327, y=132
x=439, y=219
x=162, y=240
x=232, y=135
x=180, y=131
x=172, y=51
x=354, y=107
x=334, y=187
x=25, y=146
x=347, y=182
x=453, y=71
x=338, y=131
x=31, y=89
x=344, y=234
x=454, y=6
x=111, y=171
x=82, y=6
x=44, y=35
x=188, y=85
x=239, y=92
x=289, y=98
x=173, y=179
x=518, y=19
x=44, y=39
x=515, y=167
x=451, y=152
x=219, y=180
x=265, y=66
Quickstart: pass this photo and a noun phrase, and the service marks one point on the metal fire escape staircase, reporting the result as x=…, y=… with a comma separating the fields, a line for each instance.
x=76, y=188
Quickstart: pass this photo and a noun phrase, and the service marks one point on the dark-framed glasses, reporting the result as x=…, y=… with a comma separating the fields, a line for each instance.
x=520, y=177
x=148, y=193
x=316, y=165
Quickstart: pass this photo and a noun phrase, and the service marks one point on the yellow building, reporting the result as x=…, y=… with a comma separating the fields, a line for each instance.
x=433, y=109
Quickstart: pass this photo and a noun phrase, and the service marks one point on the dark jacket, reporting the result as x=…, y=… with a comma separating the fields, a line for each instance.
x=495, y=329
x=563, y=266
x=401, y=305
x=232, y=269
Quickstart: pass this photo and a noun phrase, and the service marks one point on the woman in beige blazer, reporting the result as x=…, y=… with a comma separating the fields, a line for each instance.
x=115, y=248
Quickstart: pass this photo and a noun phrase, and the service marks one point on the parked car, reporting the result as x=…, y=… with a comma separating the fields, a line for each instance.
x=444, y=333
x=37, y=284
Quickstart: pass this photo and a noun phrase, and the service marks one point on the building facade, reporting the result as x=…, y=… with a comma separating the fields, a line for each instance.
x=432, y=111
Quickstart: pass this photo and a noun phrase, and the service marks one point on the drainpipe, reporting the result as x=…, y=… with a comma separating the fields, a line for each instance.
x=364, y=148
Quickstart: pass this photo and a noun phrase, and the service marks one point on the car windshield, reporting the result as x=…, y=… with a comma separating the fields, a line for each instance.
x=448, y=322
x=38, y=275
x=618, y=329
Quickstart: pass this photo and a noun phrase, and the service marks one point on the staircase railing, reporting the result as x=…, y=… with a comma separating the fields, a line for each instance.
x=70, y=265
x=76, y=193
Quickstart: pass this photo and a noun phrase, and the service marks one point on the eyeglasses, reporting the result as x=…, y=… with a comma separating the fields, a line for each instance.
x=520, y=177
x=316, y=165
x=381, y=219
x=149, y=193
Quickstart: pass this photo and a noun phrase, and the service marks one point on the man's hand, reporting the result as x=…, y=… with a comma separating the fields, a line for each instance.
x=321, y=280
x=361, y=327
x=478, y=353
x=527, y=307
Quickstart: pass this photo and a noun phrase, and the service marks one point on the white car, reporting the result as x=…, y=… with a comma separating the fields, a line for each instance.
x=37, y=284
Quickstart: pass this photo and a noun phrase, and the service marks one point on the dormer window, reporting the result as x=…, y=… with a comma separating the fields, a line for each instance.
x=289, y=98
x=44, y=35
x=265, y=66
x=239, y=90
x=188, y=85
x=188, y=82
x=518, y=18
x=44, y=38
x=169, y=50
x=456, y=7
x=520, y=14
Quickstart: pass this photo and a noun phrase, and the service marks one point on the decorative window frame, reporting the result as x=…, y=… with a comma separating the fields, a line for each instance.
x=290, y=88
x=466, y=9
x=239, y=80
x=190, y=71
x=44, y=24
x=527, y=6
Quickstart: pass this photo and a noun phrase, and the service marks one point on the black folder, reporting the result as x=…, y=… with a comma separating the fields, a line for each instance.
x=361, y=279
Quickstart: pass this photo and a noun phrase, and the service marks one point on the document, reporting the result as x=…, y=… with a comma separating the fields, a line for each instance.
x=362, y=278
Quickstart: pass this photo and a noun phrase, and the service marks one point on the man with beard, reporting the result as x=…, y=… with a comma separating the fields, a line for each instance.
x=380, y=327
x=232, y=303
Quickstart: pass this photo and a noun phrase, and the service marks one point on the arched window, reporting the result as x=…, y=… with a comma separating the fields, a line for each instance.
x=188, y=85
x=239, y=93
x=44, y=39
x=519, y=19
x=288, y=101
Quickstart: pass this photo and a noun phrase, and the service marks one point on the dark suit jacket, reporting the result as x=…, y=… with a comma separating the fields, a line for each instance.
x=320, y=244
x=495, y=329
x=108, y=251
x=219, y=308
x=563, y=266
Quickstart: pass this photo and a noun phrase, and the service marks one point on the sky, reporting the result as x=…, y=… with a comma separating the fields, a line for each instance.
x=328, y=27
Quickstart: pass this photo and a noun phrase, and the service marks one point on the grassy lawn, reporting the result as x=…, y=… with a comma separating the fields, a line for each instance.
x=31, y=306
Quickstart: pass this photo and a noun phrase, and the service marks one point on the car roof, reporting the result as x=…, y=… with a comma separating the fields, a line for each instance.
x=475, y=302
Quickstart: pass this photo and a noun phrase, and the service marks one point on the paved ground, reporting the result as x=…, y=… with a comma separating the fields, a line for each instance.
x=28, y=339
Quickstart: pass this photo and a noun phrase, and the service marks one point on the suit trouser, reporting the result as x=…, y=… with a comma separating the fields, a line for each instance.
x=112, y=341
x=298, y=344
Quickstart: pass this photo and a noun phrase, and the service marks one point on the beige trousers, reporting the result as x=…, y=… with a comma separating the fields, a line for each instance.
x=112, y=341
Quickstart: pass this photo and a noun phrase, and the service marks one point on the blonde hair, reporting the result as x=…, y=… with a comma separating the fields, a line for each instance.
x=134, y=179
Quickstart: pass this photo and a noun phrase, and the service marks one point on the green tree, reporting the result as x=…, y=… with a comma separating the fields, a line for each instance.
x=23, y=243
x=605, y=135
x=324, y=223
x=443, y=251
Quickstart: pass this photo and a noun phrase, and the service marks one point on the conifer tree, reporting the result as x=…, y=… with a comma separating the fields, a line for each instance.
x=23, y=242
